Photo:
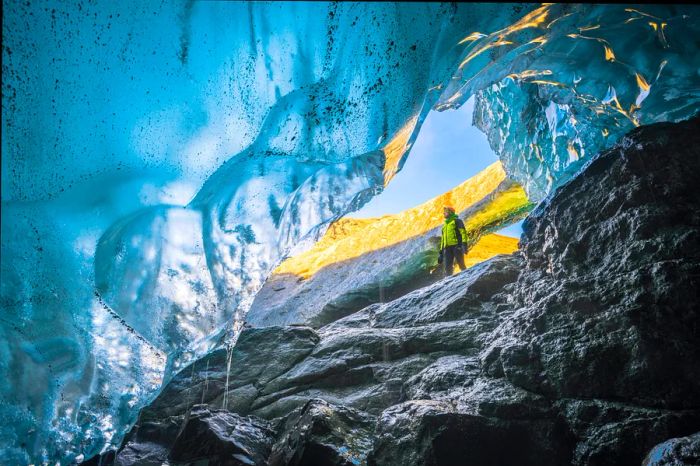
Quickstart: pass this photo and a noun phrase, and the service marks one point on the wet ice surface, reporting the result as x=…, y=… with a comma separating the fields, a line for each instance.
x=159, y=161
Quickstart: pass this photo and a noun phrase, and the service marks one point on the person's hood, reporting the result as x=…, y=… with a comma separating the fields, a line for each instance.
x=451, y=217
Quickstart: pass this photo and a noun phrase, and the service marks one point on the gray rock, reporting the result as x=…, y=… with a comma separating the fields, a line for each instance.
x=468, y=294
x=351, y=363
x=222, y=438
x=274, y=370
x=324, y=434
x=621, y=434
x=148, y=443
x=216, y=437
x=233, y=380
x=438, y=433
x=442, y=376
x=608, y=298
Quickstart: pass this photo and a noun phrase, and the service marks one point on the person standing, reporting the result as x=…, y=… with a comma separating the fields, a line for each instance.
x=453, y=244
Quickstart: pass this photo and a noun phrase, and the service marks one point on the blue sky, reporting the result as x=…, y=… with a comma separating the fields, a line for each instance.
x=448, y=150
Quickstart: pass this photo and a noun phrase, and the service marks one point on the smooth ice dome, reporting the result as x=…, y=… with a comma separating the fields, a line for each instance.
x=159, y=161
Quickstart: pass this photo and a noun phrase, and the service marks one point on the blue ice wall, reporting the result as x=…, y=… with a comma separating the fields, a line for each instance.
x=158, y=160
x=572, y=85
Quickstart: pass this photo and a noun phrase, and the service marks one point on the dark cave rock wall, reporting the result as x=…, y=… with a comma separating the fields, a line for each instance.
x=610, y=298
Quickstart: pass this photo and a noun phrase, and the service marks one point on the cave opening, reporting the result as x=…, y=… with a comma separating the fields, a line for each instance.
x=390, y=246
x=447, y=151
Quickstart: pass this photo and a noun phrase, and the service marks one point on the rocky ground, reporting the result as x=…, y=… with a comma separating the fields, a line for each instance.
x=582, y=348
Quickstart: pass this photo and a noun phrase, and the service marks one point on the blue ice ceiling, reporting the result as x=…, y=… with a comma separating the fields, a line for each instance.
x=158, y=160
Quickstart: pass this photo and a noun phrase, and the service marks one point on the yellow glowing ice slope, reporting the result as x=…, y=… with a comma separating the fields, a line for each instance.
x=482, y=205
x=489, y=246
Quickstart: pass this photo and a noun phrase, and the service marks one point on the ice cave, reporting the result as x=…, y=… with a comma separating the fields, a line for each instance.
x=181, y=283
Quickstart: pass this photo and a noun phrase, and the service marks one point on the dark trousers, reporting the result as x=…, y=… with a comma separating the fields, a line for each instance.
x=452, y=253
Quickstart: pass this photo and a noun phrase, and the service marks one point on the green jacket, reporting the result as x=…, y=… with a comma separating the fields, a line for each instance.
x=453, y=232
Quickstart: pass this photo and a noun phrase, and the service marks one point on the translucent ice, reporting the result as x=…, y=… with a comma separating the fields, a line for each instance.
x=159, y=160
x=566, y=81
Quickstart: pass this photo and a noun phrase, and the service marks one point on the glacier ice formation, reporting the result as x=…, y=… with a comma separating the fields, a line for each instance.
x=158, y=160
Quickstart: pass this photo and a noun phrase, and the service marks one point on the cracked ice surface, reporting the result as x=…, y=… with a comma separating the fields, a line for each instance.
x=159, y=160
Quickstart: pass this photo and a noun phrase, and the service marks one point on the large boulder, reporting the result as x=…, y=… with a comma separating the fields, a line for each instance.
x=216, y=437
x=222, y=438
x=323, y=433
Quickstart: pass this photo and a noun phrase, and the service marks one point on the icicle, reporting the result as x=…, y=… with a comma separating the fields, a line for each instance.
x=229, y=354
x=206, y=382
